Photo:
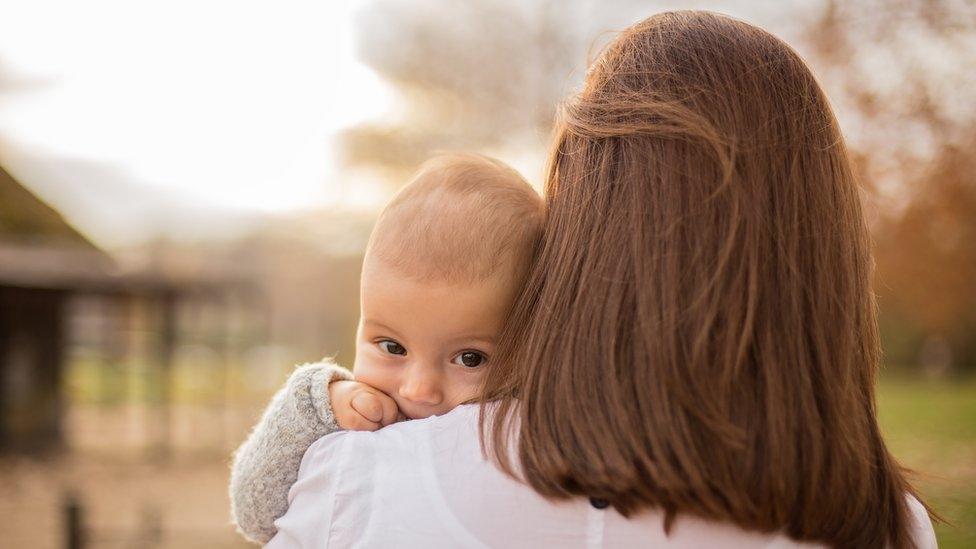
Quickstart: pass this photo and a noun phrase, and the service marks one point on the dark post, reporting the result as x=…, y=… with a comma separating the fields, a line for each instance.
x=74, y=531
x=167, y=344
x=225, y=335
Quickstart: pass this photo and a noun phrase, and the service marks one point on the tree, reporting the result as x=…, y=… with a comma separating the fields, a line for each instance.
x=469, y=75
x=905, y=74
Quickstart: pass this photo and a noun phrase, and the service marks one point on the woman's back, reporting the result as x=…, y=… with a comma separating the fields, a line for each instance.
x=425, y=483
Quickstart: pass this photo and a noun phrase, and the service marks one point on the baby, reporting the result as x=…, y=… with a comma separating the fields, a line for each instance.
x=442, y=269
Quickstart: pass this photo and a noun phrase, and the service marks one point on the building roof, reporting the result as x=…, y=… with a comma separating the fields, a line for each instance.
x=40, y=249
x=25, y=217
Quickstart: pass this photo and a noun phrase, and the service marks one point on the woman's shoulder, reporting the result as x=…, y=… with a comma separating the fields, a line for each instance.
x=922, y=531
x=463, y=418
x=405, y=436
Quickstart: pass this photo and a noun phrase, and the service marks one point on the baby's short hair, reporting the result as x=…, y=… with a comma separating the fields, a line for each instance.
x=460, y=218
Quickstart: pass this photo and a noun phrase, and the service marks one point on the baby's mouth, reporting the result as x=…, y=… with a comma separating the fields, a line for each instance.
x=409, y=411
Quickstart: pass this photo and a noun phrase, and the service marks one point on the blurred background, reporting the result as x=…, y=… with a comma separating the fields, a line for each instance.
x=186, y=189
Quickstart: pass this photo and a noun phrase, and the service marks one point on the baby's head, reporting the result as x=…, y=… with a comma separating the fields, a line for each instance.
x=443, y=267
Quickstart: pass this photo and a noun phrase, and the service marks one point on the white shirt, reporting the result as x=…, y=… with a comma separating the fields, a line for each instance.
x=425, y=483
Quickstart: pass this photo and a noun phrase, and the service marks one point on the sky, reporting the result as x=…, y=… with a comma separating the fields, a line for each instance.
x=221, y=106
x=194, y=119
x=189, y=119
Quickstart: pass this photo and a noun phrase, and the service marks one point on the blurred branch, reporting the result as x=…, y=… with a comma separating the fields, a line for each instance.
x=11, y=82
x=469, y=75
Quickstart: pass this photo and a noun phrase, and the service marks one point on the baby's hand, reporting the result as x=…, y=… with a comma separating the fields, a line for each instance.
x=361, y=407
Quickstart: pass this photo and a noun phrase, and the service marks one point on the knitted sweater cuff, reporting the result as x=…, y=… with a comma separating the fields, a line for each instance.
x=309, y=384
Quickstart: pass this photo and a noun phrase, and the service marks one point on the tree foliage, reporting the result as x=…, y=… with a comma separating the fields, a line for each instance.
x=904, y=74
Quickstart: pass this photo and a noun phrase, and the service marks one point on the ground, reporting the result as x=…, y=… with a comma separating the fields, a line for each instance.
x=126, y=503
x=129, y=496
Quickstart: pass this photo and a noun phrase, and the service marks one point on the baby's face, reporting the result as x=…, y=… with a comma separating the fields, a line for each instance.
x=427, y=344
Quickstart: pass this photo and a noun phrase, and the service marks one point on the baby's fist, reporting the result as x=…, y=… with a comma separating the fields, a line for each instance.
x=361, y=407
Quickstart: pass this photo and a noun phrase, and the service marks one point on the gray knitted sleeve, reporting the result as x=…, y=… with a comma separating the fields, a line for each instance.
x=266, y=465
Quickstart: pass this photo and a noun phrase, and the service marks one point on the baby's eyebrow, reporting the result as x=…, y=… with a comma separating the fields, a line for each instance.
x=475, y=337
x=379, y=325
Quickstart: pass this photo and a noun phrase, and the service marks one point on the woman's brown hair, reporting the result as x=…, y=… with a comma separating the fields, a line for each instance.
x=699, y=332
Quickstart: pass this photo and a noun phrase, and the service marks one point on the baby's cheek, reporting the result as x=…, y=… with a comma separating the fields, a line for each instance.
x=465, y=387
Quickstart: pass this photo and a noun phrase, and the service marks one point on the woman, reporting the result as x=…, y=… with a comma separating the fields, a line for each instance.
x=695, y=351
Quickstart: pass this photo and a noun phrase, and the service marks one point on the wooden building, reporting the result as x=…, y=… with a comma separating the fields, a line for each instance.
x=44, y=264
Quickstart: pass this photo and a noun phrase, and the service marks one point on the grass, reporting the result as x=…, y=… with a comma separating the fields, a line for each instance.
x=931, y=427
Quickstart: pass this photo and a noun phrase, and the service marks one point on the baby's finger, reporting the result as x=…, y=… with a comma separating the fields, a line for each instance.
x=369, y=405
x=351, y=420
x=390, y=409
x=360, y=423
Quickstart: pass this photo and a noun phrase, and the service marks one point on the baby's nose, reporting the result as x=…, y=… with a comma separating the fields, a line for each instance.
x=423, y=388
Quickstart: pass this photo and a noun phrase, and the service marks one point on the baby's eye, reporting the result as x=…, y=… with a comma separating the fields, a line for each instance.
x=392, y=347
x=470, y=359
